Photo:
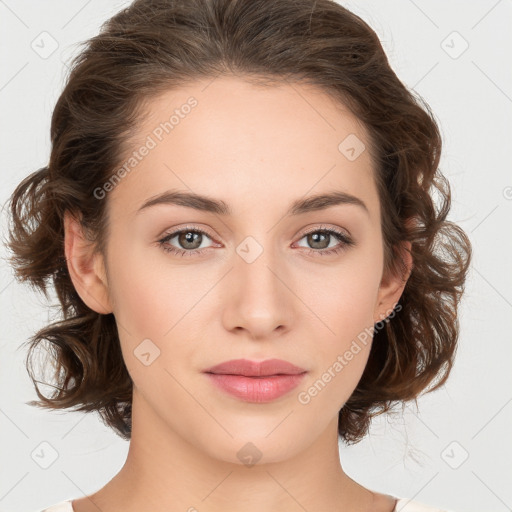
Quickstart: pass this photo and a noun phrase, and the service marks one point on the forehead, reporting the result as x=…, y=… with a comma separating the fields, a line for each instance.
x=251, y=112
x=248, y=144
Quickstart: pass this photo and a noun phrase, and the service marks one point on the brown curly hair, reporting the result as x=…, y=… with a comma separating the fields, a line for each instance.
x=155, y=45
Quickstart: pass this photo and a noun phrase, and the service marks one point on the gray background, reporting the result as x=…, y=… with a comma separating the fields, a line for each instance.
x=455, y=451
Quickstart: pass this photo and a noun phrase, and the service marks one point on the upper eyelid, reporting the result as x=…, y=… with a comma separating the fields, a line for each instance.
x=174, y=232
x=325, y=228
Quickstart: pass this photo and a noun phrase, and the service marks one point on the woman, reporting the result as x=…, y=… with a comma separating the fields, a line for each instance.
x=238, y=219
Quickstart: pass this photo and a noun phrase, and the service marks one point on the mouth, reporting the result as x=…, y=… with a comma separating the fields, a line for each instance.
x=256, y=389
x=257, y=382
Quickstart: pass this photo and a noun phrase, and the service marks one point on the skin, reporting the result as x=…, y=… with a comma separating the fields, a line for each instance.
x=258, y=149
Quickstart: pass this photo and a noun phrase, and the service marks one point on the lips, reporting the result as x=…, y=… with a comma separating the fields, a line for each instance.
x=257, y=382
x=249, y=368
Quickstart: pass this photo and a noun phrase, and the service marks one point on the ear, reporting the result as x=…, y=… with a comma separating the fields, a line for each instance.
x=392, y=286
x=86, y=267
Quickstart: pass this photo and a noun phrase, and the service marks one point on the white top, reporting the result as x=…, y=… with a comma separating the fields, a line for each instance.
x=403, y=505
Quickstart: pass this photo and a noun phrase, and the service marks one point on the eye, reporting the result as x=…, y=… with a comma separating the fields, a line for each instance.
x=320, y=239
x=192, y=238
x=189, y=238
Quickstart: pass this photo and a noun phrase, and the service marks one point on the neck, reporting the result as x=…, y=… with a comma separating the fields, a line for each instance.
x=163, y=472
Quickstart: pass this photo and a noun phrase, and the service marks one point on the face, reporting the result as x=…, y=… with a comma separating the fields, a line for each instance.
x=191, y=288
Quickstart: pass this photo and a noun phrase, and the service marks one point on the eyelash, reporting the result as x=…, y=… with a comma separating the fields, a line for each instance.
x=346, y=242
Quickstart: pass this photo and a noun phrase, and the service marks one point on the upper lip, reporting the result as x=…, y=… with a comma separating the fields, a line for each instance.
x=249, y=368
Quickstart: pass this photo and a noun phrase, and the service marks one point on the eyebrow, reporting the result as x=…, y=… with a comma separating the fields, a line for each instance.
x=207, y=204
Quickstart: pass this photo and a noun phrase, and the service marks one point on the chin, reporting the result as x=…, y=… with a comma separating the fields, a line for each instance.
x=269, y=443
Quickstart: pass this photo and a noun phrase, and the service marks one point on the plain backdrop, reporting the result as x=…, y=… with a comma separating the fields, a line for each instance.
x=455, y=450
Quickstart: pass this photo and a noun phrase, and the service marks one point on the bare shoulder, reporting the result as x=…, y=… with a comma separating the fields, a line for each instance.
x=384, y=502
x=407, y=505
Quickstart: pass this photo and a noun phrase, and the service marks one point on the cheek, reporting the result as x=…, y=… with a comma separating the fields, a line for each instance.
x=343, y=299
x=150, y=308
x=147, y=302
x=342, y=352
x=330, y=388
x=343, y=295
x=160, y=302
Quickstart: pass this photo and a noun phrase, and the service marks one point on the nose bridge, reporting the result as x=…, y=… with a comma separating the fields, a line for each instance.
x=260, y=301
x=256, y=266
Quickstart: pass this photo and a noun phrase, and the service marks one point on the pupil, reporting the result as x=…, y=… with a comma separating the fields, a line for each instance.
x=316, y=239
x=189, y=238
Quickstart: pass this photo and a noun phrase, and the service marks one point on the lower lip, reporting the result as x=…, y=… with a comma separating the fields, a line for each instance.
x=256, y=389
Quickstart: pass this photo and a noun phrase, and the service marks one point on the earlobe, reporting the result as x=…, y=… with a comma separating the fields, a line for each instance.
x=392, y=287
x=86, y=267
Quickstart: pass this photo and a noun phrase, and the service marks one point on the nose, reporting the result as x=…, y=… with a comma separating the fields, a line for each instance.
x=259, y=297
